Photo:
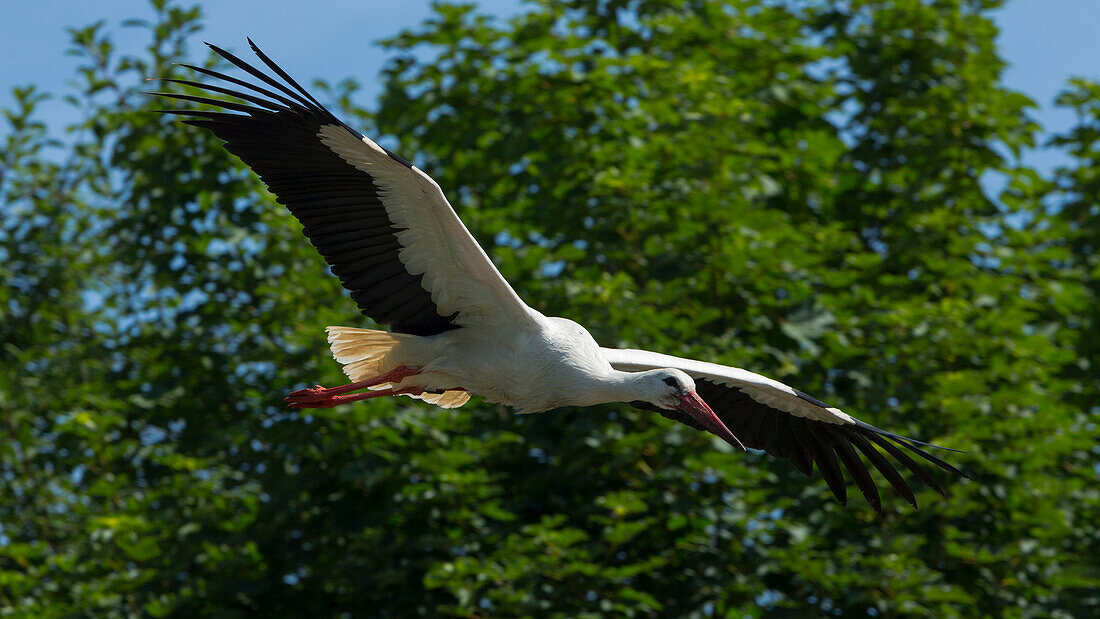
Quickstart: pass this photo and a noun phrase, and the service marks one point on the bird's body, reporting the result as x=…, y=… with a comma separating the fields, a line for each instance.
x=458, y=329
x=547, y=363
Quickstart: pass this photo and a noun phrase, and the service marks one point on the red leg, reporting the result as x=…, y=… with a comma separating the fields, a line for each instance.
x=335, y=400
x=322, y=394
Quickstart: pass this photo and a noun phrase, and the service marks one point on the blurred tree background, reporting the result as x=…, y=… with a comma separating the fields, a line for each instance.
x=793, y=186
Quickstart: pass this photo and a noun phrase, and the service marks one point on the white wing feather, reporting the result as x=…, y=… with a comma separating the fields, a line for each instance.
x=760, y=388
x=456, y=270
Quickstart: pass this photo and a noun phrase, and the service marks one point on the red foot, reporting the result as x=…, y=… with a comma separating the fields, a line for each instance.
x=313, y=394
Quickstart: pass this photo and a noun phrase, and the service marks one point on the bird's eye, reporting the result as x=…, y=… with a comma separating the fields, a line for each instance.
x=671, y=382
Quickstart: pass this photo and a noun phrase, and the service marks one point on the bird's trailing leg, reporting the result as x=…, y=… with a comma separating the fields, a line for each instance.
x=336, y=400
x=327, y=397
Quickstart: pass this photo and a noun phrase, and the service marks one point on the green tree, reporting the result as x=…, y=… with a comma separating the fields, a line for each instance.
x=791, y=187
x=1073, y=221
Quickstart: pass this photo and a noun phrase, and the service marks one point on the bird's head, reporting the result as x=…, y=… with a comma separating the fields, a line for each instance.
x=665, y=388
x=673, y=390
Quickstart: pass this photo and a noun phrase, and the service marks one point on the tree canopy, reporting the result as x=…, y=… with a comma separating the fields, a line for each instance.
x=831, y=194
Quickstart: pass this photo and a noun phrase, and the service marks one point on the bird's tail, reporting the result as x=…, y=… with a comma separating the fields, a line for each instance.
x=362, y=352
x=365, y=353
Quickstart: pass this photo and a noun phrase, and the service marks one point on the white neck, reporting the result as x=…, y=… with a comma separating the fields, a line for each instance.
x=616, y=386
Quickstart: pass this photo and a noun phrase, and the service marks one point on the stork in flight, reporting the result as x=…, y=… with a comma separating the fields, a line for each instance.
x=458, y=329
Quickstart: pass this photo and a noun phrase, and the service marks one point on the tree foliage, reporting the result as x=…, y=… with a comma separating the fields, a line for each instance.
x=797, y=188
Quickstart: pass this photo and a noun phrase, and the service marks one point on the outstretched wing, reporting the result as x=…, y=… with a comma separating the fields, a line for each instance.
x=786, y=423
x=383, y=225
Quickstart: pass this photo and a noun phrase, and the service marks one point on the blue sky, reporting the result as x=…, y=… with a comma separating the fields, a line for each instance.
x=1045, y=42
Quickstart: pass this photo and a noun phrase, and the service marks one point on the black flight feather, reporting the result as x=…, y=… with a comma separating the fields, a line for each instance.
x=274, y=130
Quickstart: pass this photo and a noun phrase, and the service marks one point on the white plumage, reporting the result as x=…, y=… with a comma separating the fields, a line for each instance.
x=458, y=329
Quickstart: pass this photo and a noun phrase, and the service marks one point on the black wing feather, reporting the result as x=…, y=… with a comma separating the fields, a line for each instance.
x=909, y=463
x=275, y=134
x=805, y=442
x=858, y=470
x=883, y=465
x=802, y=455
x=239, y=82
x=830, y=469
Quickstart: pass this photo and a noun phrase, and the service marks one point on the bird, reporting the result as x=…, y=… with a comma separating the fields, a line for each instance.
x=457, y=328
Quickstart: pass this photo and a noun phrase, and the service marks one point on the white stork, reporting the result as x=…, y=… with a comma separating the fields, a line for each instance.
x=458, y=329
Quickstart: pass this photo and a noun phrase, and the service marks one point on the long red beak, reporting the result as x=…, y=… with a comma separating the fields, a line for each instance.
x=693, y=405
